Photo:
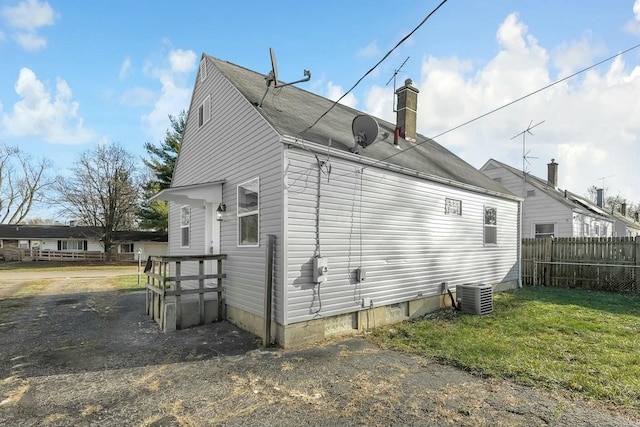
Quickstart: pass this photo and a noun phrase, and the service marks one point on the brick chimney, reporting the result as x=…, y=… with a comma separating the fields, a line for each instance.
x=623, y=209
x=552, y=173
x=599, y=196
x=407, y=111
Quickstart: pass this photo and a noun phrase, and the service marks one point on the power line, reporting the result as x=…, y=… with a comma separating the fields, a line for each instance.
x=511, y=103
x=374, y=67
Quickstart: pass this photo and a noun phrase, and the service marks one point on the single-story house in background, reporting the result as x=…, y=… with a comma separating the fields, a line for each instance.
x=366, y=232
x=52, y=239
x=626, y=226
x=548, y=210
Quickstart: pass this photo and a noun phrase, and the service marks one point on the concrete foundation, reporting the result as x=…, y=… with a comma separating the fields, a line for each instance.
x=170, y=317
x=299, y=334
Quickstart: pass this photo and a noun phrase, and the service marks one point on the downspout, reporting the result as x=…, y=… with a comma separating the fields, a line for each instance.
x=520, y=215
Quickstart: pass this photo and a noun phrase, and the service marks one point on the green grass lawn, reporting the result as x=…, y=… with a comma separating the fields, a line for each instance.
x=586, y=342
x=62, y=265
x=130, y=283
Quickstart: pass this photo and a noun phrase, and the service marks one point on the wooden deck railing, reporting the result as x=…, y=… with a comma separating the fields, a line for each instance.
x=52, y=255
x=161, y=284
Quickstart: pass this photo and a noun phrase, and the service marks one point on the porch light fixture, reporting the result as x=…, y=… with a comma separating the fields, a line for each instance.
x=221, y=208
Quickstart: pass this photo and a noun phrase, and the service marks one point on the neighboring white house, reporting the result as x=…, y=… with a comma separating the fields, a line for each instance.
x=15, y=239
x=364, y=235
x=547, y=209
x=626, y=226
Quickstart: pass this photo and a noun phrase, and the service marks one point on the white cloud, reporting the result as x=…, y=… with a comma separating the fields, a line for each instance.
x=334, y=92
x=182, y=61
x=633, y=26
x=27, y=17
x=175, y=91
x=576, y=55
x=53, y=118
x=591, y=123
x=125, y=68
x=370, y=51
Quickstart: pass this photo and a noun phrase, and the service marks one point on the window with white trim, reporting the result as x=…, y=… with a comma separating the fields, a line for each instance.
x=126, y=248
x=185, y=226
x=204, y=111
x=72, y=245
x=452, y=207
x=544, y=230
x=490, y=226
x=249, y=213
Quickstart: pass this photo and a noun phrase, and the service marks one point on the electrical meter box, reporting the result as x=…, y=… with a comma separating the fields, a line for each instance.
x=320, y=269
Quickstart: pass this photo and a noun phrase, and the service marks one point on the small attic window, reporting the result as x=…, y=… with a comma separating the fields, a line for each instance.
x=452, y=207
x=498, y=180
x=531, y=193
x=204, y=111
x=203, y=69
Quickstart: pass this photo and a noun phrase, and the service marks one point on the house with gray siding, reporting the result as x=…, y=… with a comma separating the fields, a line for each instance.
x=365, y=234
x=626, y=225
x=548, y=210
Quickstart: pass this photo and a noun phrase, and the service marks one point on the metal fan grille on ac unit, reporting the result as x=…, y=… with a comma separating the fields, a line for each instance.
x=476, y=298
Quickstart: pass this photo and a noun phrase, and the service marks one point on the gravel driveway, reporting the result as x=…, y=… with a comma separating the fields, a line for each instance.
x=84, y=354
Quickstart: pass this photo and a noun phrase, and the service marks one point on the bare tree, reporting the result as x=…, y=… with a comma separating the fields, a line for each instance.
x=102, y=191
x=23, y=182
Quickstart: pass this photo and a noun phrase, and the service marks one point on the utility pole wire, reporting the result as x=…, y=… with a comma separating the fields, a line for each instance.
x=374, y=67
x=514, y=101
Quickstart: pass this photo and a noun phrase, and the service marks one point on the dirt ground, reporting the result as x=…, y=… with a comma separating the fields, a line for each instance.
x=84, y=354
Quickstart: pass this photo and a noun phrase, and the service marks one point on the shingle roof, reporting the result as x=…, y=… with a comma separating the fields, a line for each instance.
x=16, y=232
x=291, y=109
x=564, y=197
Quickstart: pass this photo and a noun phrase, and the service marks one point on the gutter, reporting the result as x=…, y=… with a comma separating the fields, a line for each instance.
x=322, y=149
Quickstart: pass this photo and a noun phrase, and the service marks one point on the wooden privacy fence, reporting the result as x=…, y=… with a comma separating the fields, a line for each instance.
x=611, y=263
x=167, y=284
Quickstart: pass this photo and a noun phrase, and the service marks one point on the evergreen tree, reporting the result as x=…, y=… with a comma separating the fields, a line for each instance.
x=153, y=215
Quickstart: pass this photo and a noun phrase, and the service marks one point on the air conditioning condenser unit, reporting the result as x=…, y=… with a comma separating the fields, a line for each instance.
x=475, y=298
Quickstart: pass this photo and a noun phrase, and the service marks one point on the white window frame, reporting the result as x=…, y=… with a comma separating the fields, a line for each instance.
x=489, y=224
x=543, y=235
x=452, y=207
x=185, y=226
x=204, y=112
x=72, y=245
x=243, y=213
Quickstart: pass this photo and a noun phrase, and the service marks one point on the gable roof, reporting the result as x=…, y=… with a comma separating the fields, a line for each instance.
x=565, y=197
x=26, y=232
x=290, y=110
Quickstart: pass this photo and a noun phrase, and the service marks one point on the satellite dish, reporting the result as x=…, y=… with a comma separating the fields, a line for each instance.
x=274, y=68
x=365, y=130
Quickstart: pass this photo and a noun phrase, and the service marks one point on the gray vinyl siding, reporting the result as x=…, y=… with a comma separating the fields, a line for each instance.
x=235, y=151
x=392, y=225
x=542, y=209
x=538, y=208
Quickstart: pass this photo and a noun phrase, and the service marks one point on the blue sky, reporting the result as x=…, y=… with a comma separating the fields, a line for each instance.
x=74, y=74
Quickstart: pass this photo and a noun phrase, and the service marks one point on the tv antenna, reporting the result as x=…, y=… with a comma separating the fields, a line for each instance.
x=525, y=154
x=603, y=178
x=272, y=77
x=395, y=74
